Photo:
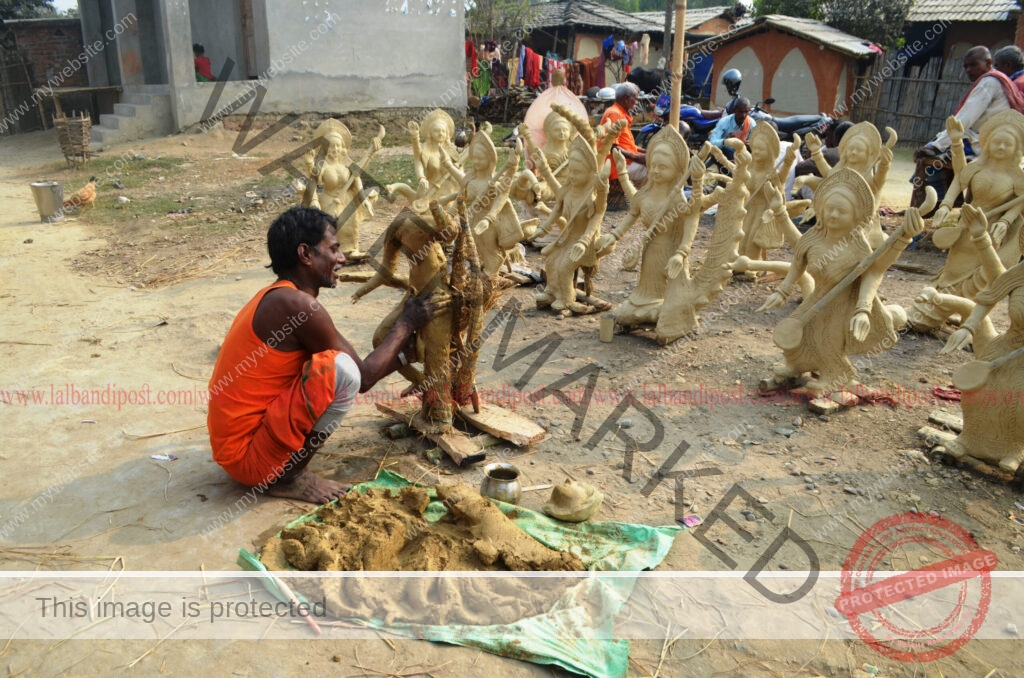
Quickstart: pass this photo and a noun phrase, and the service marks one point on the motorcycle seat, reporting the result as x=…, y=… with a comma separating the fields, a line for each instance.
x=795, y=122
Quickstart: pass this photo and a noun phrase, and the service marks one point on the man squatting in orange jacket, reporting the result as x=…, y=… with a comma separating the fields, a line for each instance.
x=285, y=376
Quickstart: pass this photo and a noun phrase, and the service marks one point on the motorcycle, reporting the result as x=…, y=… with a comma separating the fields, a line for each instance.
x=786, y=125
x=698, y=123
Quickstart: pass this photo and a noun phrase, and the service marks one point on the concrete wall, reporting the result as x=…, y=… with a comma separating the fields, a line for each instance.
x=217, y=26
x=364, y=55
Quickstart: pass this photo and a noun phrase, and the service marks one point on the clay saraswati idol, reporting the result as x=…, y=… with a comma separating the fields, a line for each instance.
x=581, y=204
x=343, y=196
x=843, y=315
x=994, y=184
x=993, y=384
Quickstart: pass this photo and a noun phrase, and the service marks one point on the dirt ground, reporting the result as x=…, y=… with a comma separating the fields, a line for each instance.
x=140, y=298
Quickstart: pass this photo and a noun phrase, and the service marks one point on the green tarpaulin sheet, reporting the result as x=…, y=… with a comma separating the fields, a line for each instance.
x=568, y=635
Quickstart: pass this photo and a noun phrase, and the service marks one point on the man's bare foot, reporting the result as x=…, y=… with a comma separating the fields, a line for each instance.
x=307, y=486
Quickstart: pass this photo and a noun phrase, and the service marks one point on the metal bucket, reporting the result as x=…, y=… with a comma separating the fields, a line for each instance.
x=49, y=197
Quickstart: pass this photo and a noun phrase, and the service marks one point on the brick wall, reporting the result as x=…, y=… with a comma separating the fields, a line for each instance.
x=47, y=46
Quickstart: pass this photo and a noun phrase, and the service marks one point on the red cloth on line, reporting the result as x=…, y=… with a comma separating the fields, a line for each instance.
x=531, y=68
x=1013, y=95
x=471, y=61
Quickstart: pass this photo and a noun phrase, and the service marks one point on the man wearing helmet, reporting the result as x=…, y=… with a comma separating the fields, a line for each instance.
x=626, y=97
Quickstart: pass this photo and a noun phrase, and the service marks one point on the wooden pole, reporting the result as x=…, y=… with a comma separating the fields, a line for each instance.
x=666, y=44
x=678, y=52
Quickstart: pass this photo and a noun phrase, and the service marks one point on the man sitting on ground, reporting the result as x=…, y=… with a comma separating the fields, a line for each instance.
x=626, y=97
x=735, y=126
x=285, y=376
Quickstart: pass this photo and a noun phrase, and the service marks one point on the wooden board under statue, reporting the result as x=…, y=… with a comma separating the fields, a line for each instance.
x=993, y=418
x=994, y=184
x=342, y=187
x=843, y=315
x=668, y=295
x=579, y=208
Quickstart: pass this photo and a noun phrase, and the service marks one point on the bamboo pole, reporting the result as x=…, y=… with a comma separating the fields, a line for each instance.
x=678, y=54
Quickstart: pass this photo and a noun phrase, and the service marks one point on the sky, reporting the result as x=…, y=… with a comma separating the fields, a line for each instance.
x=63, y=5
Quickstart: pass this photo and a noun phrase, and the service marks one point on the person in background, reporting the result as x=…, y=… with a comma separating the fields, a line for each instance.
x=735, y=126
x=202, y=64
x=991, y=91
x=626, y=97
x=1010, y=62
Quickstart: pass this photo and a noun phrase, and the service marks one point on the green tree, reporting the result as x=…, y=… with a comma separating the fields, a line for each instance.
x=26, y=9
x=879, y=21
x=500, y=20
x=809, y=9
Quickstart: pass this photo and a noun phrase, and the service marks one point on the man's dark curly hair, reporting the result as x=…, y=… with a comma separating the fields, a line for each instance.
x=296, y=226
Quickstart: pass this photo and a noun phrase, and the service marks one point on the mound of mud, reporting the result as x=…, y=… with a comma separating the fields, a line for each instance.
x=376, y=531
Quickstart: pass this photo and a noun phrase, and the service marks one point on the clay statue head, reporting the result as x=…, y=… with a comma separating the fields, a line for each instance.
x=668, y=157
x=557, y=129
x=764, y=145
x=860, y=146
x=843, y=201
x=483, y=157
x=337, y=134
x=1002, y=135
x=582, y=163
x=437, y=126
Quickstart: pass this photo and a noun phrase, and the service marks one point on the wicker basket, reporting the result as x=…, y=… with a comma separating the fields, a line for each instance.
x=73, y=136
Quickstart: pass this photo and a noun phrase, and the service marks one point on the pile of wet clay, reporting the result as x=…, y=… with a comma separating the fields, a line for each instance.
x=376, y=531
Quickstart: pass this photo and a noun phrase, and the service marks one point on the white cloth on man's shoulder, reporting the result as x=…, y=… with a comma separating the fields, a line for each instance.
x=985, y=100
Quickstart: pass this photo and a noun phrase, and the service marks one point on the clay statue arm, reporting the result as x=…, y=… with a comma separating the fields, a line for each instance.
x=788, y=159
x=417, y=155
x=623, y=174
x=719, y=156
x=604, y=146
x=814, y=146
x=779, y=296
x=860, y=322
x=548, y=223
x=779, y=213
x=963, y=337
x=955, y=130
x=677, y=263
x=884, y=162
x=389, y=263
x=609, y=239
x=974, y=218
x=586, y=240
x=540, y=161
x=454, y=171
x=498, y=190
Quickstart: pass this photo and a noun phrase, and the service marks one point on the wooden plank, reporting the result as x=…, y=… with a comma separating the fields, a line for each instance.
x=504, y=424
x=947, y=420
x=456, y=444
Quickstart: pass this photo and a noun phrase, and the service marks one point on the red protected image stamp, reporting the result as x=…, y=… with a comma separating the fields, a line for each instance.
x=927, y=612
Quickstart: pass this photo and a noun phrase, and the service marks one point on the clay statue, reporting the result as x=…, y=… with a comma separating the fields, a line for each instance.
x=666, y=295
x=342, y=187
x=761, y=233
x=843, y=315
x=581, y=204
x=994, y=184
x=861, y=150
x=492, y=218
x=993, y=419
x=431, y=145
x=555, y=152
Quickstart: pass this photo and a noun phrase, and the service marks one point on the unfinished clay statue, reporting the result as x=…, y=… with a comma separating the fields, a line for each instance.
x=993, y=417
x=492, y=217
x=862, y=151
x=581, y=204
x=994, y=184
x=431, y=146
x=343, y=188
x=843, y=315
